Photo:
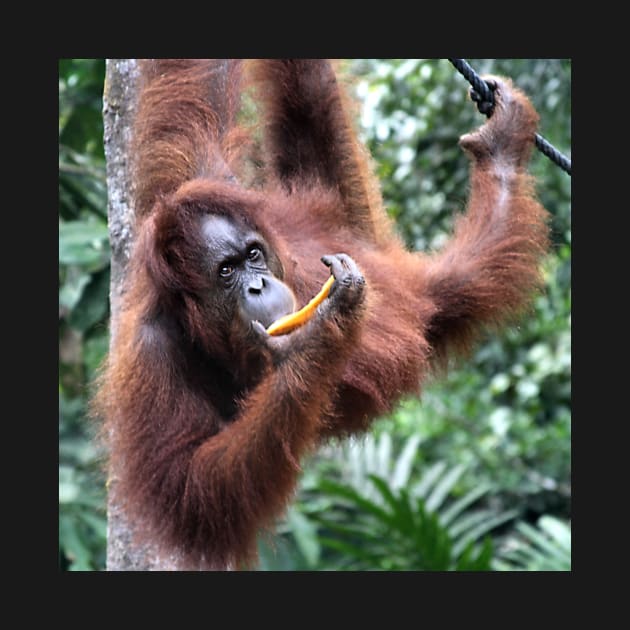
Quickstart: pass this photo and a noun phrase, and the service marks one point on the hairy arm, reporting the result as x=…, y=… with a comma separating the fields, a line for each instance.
x=489, y=270
x=185, y=125
x=310, y=137
x=206, y=486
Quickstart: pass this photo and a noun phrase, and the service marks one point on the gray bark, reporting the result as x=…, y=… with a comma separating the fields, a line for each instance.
x=119, y=100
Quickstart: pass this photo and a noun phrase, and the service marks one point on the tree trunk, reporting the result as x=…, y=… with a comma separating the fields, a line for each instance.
x=119, y=100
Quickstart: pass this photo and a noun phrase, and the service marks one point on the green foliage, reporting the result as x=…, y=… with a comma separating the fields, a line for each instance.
x=395, y=520
x=83, y=309
x=401, y=536
x=544, y=548
x=402, y=524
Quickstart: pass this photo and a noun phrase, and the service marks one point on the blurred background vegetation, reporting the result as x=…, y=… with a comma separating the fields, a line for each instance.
x=474, y=477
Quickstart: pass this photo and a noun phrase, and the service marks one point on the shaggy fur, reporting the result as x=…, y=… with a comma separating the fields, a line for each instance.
x=205, y=430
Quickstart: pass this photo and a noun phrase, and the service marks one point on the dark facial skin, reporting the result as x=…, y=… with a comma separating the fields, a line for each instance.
x=238, y=258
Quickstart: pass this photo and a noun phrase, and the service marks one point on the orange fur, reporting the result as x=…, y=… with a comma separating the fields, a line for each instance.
x=205, y=433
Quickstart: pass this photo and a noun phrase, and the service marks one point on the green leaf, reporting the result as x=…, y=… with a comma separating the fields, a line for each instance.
x=428, y=479
x=404, y=515
x=369, y=453
x=97, y=523
x=535, y=551
x=541, y=540
x=72, y=289
x=68, y=491
x=468, y=521
x=83, y=243
x=385, y=492
x=72, y=545
x=350, y=550
x=402, y=470
x=94, y=352
x=450, y=513
x=383, y=455
x=305, y=534
x=70, y=409
x=401, y=517
x=367, y=531
x=81, y=233
x=94, y=303
x=444, y=487
x=355, y=498
x=477, y=532
x=432, y=540
x=482, y=561
x=558, y=531
x=77, y=450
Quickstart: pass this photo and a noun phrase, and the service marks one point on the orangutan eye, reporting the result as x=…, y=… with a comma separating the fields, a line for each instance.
x=254, y=254
x=225, y=271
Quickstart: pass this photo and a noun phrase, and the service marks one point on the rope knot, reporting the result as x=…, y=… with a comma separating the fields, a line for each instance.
x=485, y=99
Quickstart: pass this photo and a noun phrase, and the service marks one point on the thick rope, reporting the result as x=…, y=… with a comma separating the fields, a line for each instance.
x=484, y=97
